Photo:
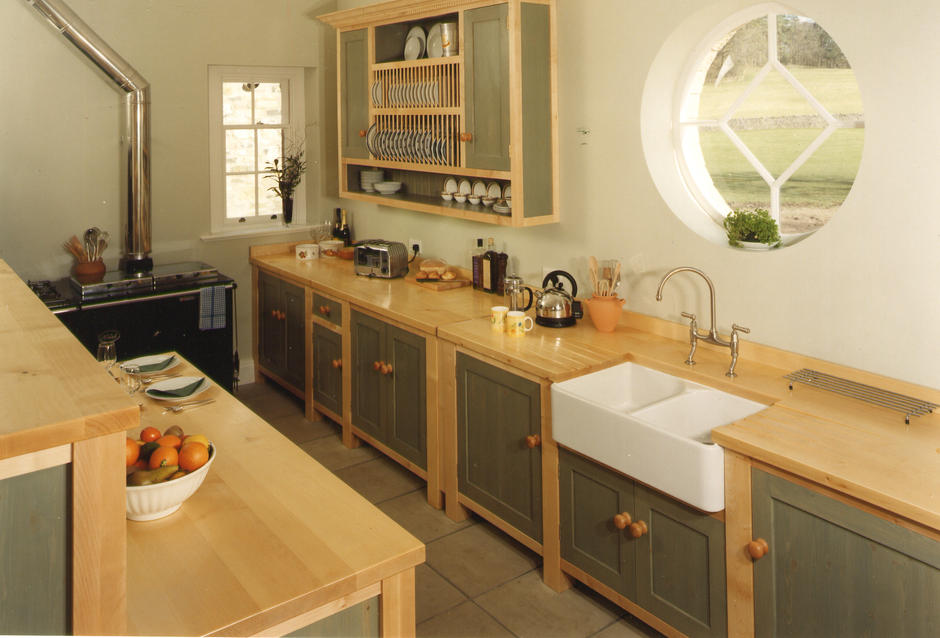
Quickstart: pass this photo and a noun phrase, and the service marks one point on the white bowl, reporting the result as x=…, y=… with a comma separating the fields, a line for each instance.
x=331, y=244
x=446, y=196
x=460, y=197
x=474, y=199
x=387, y=188
x=150, y=502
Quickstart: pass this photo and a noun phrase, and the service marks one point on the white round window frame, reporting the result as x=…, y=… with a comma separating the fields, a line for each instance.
x=676, y=67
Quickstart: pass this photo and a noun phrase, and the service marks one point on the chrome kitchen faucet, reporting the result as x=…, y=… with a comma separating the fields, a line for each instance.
x=712, y=335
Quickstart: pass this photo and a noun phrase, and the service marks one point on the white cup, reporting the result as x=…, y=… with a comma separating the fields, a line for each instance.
x=518, y=323
x=498, y=318
x=306, y=252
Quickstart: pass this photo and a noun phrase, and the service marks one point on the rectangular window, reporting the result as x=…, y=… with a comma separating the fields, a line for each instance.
x=255, y=114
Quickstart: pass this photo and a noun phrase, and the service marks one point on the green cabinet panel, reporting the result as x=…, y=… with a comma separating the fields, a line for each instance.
x=486, y=77
x=281, y=329
x=358, y=621
x=496, y=411
x=34, y=553
x=834, y=570
x=590, y=498
x=536, y=110
x=354, y=78
x=392, y=405
x=681, y=575
x=327, y=379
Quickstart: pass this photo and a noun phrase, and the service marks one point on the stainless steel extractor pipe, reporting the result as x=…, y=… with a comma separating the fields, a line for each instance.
x=135, y=151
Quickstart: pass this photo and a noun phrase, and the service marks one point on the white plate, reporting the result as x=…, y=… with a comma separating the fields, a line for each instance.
x=507, y=191
x=502, y=210
x=175, y=383
x=434, y=44
x=464, y=187
x=152, y=360
x=479, y=188
x=414, y=43
x=493, y=190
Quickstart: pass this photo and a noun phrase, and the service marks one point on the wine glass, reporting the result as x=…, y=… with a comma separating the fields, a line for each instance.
x=132, y=380
x=107, y=350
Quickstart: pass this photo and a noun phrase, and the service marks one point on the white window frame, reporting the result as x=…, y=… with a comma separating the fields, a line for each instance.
x=295, y=129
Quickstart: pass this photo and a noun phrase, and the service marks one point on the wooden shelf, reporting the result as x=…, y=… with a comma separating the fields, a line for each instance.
x=455, y=171
x=414, y=64
x=435, y=205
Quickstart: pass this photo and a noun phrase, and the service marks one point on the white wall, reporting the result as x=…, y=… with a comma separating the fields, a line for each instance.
x=863, y=291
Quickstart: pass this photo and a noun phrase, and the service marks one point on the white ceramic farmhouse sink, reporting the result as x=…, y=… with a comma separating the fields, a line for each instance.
x=652, y=426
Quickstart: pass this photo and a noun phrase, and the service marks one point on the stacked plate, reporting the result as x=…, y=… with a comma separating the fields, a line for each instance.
x=368, y=179
x=415, y=43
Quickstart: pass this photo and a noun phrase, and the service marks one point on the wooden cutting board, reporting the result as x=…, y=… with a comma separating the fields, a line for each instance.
x=441, y=285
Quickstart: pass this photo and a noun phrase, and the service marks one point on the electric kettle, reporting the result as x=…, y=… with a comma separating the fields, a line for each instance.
x=555, y=307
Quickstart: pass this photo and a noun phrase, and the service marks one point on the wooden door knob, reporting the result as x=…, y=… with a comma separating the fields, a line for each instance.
x=466, y=137
x=325, y=310
x=621, y=520
x=638, y=529
x=758, y=548
x=386, y=368
x=533, y=440
x=376, y=365
x=337, y=363
x=274, y=313
x=362, y=132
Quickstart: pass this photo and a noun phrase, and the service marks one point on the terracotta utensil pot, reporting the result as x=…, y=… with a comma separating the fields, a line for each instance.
x=89, y=271
x=605, y=312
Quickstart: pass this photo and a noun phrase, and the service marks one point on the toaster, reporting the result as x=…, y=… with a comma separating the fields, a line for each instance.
x=381, y=258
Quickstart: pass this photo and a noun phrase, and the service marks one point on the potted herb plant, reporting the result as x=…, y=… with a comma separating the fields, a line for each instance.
x=752, y=229
x=287, y=171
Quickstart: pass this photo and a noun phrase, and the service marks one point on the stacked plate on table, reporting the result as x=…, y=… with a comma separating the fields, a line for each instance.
x=415, y=43
x=368, y=179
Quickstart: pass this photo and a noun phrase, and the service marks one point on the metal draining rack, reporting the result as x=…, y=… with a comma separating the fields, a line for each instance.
x=910, y=406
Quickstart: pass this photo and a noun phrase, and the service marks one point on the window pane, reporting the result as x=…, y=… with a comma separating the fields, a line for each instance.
x=741, y=54
x=269, y=146
x=268, y=103
x=239, y=196
x=236, y=103
x=239, y=151
x=269, y=203
x=733, y=176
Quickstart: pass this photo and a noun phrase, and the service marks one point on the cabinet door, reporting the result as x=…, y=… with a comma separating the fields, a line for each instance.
x=292, y=305
x=407, y=408
x=486, y=76
x=496, y=411
x=680, y=565
x=327, y=379
x=354, y=95
x=591, y=496
x=368, y=336
x=834, y=570
x=271, y=331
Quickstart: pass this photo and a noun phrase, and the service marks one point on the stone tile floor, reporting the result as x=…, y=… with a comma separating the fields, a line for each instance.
x=477, y=582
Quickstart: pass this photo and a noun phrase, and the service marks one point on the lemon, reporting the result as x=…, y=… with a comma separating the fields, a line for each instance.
x=198, y=438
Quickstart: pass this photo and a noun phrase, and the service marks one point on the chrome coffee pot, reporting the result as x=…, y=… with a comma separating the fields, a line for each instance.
x=515, y=289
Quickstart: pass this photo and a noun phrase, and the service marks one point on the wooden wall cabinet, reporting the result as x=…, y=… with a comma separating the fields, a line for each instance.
x=389, y=392
x=835, y=570
x=488, y=113
x=654, y=551
x=281, y=330
x=499, y=463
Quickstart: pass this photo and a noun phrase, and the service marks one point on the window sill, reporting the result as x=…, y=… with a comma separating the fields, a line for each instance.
x=256, y=232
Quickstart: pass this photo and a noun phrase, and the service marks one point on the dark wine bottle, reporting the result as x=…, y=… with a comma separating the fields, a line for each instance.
x=345, y=231
x=476, y=265
x=337, y=223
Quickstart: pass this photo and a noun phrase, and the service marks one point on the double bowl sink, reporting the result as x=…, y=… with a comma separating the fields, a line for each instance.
x=651, y=426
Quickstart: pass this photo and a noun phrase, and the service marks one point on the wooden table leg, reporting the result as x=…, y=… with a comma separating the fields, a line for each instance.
x=398, y=605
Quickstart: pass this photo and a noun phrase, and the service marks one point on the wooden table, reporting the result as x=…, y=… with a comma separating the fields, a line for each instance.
x=271, y=542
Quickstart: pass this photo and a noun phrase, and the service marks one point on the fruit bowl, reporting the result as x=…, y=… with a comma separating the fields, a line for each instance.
x=150, y=502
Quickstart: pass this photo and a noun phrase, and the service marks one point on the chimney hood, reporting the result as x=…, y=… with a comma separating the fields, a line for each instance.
x=135, y=139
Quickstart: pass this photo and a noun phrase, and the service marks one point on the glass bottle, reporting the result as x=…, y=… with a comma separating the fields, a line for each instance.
x=501, y=262
x=489, y=265
x=345, y=231
x=476, y=264
x=337, y=223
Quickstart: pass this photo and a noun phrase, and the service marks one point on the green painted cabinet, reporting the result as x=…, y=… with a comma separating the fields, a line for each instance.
x=497, y=413
x=486, y=81
x=327, y=368
x=675, y=568
x=354, y=93
x=389, y=386
x=34, y=553
x=281, y=329
x=834, y=570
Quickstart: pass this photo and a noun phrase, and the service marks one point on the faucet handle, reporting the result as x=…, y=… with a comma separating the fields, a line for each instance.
x=736, y=328
x=688, y=315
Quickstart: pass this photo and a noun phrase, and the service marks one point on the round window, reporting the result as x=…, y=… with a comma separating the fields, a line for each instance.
x=769, y=120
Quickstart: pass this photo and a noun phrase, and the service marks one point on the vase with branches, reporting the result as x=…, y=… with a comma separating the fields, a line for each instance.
x=287, y=171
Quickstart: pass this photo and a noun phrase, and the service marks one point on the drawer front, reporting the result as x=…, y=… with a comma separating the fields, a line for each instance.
x=327, y=309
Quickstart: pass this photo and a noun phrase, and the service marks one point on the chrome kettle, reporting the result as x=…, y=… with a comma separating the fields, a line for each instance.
x=555, y=307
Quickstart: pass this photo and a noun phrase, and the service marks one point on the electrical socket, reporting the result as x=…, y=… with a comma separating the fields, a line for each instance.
x=412, y=243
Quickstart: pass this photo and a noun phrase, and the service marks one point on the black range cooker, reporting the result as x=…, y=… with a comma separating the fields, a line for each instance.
x=187, y=307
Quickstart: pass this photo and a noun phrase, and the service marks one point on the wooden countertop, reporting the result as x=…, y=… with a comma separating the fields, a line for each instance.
x=269, y=535
x=397, y=299
x=52, y=391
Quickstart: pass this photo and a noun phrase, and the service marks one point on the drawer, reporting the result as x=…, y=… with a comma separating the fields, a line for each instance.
x=327, y=309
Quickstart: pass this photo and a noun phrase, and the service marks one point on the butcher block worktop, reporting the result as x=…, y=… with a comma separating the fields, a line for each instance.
x=269, y=537
x=52, y=391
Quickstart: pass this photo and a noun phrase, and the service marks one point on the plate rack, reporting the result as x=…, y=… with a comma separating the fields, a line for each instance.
x=422, y=84
x=430, y=140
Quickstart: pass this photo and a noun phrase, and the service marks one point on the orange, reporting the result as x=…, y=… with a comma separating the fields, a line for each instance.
x=164, y=455
x=193, y=456
x=149, y=434
x=169, y=440
x=131, y=452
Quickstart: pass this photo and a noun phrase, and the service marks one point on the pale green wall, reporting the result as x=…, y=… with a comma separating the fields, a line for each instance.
x=862, y=292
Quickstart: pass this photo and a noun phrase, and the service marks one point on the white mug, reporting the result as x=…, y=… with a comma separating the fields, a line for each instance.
x=498, y=318
x=305, y=252
x=518, y=323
